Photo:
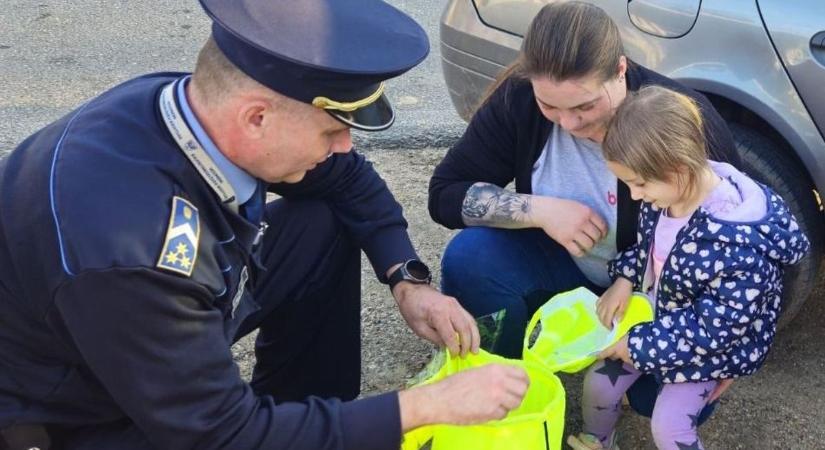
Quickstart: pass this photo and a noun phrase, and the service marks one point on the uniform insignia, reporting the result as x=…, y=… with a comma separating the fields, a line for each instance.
x=180, y=249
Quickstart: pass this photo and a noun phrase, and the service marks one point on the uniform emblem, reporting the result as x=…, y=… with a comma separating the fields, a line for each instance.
x=180, y=249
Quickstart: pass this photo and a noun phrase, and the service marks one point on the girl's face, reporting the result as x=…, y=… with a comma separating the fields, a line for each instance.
x=663, y=194
x=581, y=106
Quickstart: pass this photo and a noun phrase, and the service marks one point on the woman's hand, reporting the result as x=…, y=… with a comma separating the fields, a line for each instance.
x=613, y=303
x=572, y=224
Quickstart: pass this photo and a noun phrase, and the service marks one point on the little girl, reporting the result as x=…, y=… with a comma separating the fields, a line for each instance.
x=710, y=252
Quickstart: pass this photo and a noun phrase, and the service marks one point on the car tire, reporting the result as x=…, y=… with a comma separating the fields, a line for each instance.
x=769, y=163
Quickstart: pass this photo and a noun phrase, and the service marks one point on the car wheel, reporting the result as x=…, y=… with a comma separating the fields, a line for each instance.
x=768, y=163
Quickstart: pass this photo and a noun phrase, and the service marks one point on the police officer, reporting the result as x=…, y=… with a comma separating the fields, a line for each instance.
x=136, y=246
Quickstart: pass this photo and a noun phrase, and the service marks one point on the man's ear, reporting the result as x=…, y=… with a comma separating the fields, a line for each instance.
x=253, y=117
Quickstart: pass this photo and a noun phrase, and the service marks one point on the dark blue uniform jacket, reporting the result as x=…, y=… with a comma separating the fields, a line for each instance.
x=91, y=331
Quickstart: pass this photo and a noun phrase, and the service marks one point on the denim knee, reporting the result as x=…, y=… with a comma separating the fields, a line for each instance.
x=480, y=266
x=479, y=269
x=461, y=258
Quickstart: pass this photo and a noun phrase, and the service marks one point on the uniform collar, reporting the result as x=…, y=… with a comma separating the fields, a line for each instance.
x=243, y=183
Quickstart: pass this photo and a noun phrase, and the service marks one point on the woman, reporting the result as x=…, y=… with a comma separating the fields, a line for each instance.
x=542, y=125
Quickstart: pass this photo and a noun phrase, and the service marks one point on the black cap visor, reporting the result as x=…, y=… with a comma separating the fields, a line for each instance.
x=376, y=116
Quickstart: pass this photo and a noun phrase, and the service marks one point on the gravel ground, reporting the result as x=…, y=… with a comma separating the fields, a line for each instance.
x=782, y=407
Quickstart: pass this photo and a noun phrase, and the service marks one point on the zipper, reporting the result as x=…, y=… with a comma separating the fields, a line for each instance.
x=677, y=241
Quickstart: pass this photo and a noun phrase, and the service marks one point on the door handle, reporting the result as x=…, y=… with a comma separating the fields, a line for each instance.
x=818, y=41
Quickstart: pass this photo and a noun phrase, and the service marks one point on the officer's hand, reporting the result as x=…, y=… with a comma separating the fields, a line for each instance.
x=572, y=224
x=437, y=317
x=473, y=396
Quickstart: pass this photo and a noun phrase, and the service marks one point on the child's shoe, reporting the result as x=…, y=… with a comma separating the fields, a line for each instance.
x=586, y=441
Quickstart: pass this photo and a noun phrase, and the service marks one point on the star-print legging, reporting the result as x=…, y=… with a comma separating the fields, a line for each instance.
x=674, y=417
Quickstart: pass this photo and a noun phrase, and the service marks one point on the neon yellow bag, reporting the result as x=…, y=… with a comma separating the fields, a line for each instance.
x=571, y=334
x=537, y=424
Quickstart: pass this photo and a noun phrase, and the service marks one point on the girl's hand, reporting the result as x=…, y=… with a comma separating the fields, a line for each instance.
x=613, y=303
x=618, y=350
x=721, y=387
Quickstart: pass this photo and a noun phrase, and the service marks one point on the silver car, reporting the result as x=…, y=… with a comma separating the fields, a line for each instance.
x=761, y=63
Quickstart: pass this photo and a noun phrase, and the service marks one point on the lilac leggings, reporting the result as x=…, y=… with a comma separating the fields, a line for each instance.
x=674, y=417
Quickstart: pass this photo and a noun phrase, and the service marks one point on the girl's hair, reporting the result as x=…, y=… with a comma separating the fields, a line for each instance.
x=657, y=132
x=565, y=41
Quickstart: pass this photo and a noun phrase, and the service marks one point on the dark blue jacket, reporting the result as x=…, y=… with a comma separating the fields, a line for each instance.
x=91, y=331
x=720, y=290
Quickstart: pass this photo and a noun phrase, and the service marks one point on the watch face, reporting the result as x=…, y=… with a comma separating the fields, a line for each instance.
x=418, y=270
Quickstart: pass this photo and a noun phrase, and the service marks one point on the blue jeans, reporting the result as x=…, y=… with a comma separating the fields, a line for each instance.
x=490, y=270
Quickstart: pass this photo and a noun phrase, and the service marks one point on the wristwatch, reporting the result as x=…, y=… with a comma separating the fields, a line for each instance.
x=412, y=270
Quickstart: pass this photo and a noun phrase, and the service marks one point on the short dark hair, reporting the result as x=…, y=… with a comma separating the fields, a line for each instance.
x=216, y=76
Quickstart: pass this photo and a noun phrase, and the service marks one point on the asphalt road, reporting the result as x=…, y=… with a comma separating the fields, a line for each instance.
x=56, y=53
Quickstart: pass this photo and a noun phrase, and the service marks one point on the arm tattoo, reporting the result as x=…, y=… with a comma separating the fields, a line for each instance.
x=489, y=205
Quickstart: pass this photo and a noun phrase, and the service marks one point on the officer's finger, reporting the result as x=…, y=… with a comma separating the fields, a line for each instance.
x=430, y=334
x=475, y=337
x=474, y=346
x=512, y=401
x=500, y=413
x=520, y=378
x=465, y=333
x=448, y=334
x=515, y=391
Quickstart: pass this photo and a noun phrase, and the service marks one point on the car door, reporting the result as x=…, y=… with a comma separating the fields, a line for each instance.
x=797, y=30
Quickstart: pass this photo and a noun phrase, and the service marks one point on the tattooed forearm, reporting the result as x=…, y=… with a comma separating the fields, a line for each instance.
x=489, y=205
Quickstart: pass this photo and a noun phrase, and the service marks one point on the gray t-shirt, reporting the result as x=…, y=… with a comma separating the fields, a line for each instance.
x=574, y=169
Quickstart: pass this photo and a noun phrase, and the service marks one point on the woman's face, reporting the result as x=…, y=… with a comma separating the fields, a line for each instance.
x=581, y=106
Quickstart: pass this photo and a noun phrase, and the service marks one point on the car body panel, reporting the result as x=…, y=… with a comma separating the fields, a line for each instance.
x=664, y=18
x=799, y=38
x=507, y=15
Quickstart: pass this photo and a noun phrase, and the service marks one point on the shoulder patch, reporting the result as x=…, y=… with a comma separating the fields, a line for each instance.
x=180, y=249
